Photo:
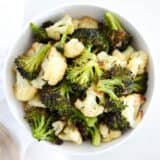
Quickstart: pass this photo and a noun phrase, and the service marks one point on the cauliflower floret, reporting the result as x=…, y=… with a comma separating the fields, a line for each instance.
x=54, y=67
x=89, y=106
x=128, y=52
x=120, y=58
x=58, y=126
x=133, y=102
x=38, y=82
x=87, y=22
x=105, y=61
x=138, y=62
x=104, y=130
x=73, y=48
x=23, y=90
x=115, y=134
x=108, y=134
x=62, y=26
x=36, y=102
x=71, y=133
x=35, y=47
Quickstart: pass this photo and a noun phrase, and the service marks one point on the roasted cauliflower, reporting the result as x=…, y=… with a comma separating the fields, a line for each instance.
x=73, y=48
x=54, y=67
x=23, y=90
x=60, y=27
x=89, y=106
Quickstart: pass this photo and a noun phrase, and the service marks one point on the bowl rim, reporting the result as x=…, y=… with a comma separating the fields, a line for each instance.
x=49, y=12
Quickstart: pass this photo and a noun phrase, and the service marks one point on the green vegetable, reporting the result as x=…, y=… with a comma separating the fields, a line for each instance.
x=114, y=105
x=95, y=134
x=56, y=100
x=114, y=120
x=84, y=69
x=64, y=89
x=108, y=86
x=40, y=124
x=131, y=84
x=40, y=33
x=137, y=84
x=94, y=37
x=87, y=126
x=64, y=37
x=117, y=36
x=113, y=22
x=29, y=66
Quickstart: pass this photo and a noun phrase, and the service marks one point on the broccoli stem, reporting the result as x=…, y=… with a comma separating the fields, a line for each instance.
x=113, y=22
x=96, y=138
x=39, y=56
x=90, y=121
x=39, y=31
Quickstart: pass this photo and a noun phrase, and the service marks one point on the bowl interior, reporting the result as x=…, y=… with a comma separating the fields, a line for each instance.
x=24, y=41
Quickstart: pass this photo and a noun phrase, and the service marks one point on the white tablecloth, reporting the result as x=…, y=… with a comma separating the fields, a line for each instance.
x=145, y=15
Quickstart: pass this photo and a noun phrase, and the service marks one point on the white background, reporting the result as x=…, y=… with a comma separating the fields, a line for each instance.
x=145, y=16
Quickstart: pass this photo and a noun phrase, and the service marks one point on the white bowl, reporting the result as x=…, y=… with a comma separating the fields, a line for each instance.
x=24, y=41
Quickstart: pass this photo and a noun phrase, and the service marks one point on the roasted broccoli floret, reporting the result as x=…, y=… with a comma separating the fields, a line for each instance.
x=40, y=124
x=131, y=84
x=87, y=127
x=119, y=72
x=39, y=33
x=114, y=120
x=92, y=36
x=29, y=65
x=117, y=36
x=114, y=105
x=64, y=89
x=137, y=84
x=84, y=69
x=108, y=86
x=56, y=99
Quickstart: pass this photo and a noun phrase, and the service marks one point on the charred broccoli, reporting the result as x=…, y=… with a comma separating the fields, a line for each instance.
x=84, y=69
x=117, y=36
x=56, y=100
x=40, y=124
x=108, y=86
x=131, y=84
x=64, y=89
x=87, y=127
x=114, y=120
x=138, y=84
x=39, y=33
x=29, y=65
x=92, y=36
